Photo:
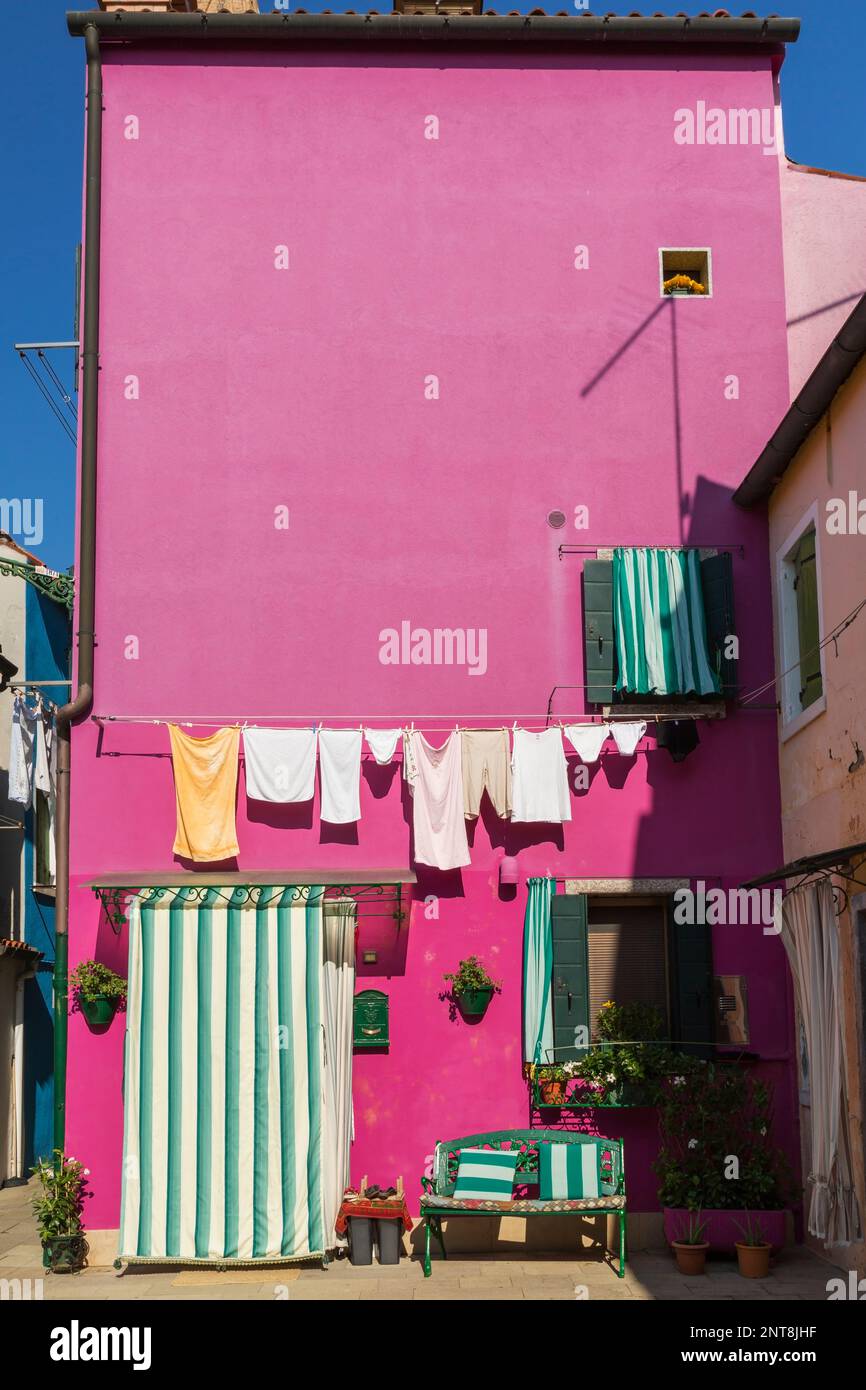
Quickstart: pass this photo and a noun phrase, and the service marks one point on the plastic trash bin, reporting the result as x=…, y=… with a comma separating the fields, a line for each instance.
x=389, y=1237
x=360, y=1240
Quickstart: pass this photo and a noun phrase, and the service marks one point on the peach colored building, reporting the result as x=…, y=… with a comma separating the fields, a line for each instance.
x=813, y=476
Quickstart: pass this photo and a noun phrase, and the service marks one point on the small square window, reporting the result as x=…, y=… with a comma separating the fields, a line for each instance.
x=687, y=271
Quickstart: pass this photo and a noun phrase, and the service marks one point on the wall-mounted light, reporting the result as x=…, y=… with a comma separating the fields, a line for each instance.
x=369, y=957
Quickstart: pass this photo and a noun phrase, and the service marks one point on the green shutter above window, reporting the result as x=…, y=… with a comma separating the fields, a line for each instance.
x=599, y=646
x=570, y=974
x=717, y=582
x=806, y=589
x=690, y=949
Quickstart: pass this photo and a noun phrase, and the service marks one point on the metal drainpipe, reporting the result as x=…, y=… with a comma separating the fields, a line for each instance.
x=83, y=697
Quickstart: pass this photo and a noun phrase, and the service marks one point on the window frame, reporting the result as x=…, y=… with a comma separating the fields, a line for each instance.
x=690, y=251
x=793, y=717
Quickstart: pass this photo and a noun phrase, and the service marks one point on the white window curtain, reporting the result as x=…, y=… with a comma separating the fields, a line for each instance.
x=810, y=935
x=338, y=990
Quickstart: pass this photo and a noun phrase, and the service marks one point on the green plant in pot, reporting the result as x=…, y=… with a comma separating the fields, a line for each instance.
x=471, y=987
x=97, y=991
x=753, y=1251
x=57, y=1207
x=552, y=1082
x=628, y=1061
x=717, y=1154
x=690, y=1247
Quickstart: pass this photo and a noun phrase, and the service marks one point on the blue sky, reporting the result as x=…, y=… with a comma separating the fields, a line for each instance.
x=824, y=98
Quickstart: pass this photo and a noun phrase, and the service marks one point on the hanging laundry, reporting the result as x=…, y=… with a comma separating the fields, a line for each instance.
x=22, y=748
x=486, y=767
x=382, y=743
x=280, y=764
x=678, y=736
x=586, y=739
x=435, y=776
x=540, y=790
x=627, y=736
x=340, y=775
x=205, y=781
x=42, y=773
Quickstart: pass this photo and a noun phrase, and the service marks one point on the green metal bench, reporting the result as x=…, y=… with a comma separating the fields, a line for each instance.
x=438, y=1200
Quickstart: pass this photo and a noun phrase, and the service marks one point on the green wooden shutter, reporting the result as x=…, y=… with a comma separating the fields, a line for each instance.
x=717, y=582
x=570, y=974
x=690, y=959
x=806, y=589
x=599, y=645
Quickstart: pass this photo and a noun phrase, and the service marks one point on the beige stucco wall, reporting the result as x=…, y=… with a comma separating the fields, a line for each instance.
x=823, y=803
x=823, y=765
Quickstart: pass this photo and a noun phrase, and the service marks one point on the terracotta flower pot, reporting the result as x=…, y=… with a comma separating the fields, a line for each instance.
x=552, y=1092
x=753, y=1260
x=690, y=1258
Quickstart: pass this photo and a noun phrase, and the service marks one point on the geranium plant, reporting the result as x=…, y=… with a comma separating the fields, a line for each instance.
x=92, y=980
x=471, y=975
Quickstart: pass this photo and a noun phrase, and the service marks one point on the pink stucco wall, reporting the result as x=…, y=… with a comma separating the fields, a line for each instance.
x=305, y=388
x=823, y=215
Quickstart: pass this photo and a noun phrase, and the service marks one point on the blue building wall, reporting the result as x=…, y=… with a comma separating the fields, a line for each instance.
x=47, y=640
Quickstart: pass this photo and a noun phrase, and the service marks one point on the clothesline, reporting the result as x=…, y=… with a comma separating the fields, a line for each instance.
x=468, y=721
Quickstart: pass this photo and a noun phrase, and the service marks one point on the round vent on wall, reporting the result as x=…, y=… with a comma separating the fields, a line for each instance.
x=556, y=519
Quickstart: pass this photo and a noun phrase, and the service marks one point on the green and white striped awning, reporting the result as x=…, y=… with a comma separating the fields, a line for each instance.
x=223, y=1076
x=659, y=623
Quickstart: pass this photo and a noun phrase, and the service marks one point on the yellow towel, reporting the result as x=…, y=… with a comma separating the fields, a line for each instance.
x=205, y=781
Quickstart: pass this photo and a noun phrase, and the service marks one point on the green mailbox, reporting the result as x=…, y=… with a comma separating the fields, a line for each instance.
x=371, y=1019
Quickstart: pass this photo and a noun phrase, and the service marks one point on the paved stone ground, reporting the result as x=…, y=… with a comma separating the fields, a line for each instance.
x=797, y=1274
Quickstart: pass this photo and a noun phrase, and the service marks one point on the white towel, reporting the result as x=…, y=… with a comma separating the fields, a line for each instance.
x=340, y=775
x=42, y=777
x=627, y=736
x=281, y=764
x=382, y=743
x=21, y=753
x=586, y=739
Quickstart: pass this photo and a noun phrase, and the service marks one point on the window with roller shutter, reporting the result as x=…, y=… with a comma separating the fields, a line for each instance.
x=634, y=953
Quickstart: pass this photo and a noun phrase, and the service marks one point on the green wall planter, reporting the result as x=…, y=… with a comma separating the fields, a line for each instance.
x=473, y=1003
x=99, y=1010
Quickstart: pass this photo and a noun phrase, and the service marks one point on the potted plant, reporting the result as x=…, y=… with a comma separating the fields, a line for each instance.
x=552, y=1081
x=57, y=1207
x=683, y=285
x=717, y=1154
x=97, y=991
x=753, y=1251
x=690, y=1248
x=472, y=988
x=628, y=1062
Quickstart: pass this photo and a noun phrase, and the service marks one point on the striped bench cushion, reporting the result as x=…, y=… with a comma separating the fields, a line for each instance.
x=486, y=1173
x=568, y=1170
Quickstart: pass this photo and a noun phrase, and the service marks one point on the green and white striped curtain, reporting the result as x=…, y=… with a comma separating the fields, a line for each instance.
x=659, y=623
x=222, y=1088
x=538, y=972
